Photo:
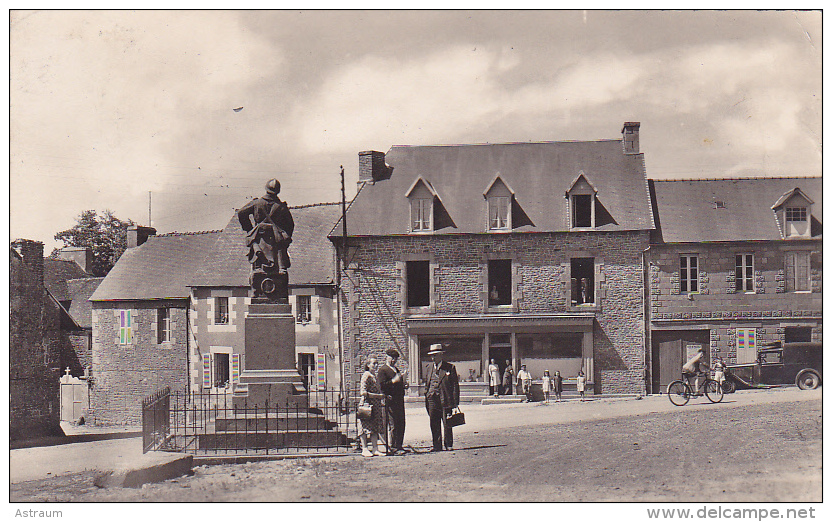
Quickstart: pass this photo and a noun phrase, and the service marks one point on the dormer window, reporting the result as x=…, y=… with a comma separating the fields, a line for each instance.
x=582, y=202
x=498, y=211
x=421, y=211
x=794, y=214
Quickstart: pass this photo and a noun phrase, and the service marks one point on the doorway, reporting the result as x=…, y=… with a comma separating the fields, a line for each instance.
x=499, y=349
x=670, y=351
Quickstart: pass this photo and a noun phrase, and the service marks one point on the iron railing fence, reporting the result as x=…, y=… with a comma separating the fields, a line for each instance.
x=155, y=420
x=215, y=424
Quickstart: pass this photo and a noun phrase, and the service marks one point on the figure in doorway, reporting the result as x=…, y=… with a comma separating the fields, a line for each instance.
x=508, y=379
x=493, y=379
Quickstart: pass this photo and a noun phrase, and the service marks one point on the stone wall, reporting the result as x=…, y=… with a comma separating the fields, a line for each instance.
x=125, y=374
x=374, y=285
x=34, y=355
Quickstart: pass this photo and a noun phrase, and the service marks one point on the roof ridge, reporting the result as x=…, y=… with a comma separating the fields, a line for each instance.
x=170, y=234
x=736, y=178
x=550, y=142
x=309, y=205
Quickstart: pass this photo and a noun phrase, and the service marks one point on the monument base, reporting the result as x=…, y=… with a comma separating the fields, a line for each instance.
x=270, y=375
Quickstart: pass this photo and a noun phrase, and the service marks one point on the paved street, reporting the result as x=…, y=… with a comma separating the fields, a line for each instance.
x=755, y=445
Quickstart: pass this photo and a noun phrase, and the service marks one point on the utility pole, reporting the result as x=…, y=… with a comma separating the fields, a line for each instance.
x=338, y=291
x=149, y=215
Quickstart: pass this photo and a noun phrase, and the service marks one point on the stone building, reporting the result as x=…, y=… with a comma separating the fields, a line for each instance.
x=524, y=252
x=220, y=295
x=40, y=339
x=171, y=311
x=734, y=264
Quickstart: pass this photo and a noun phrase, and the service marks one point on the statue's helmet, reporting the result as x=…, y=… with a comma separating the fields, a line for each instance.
x=273, y=187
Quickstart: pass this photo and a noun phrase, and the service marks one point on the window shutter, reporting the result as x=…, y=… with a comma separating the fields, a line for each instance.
x=206, y=370
x=235, y=368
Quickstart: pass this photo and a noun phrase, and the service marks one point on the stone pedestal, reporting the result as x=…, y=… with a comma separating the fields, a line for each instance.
x=270, y=375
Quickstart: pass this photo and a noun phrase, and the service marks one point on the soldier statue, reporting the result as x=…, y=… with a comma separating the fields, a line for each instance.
x=269, y=225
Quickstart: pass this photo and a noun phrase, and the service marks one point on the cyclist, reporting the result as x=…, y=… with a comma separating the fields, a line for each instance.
x=693, y=368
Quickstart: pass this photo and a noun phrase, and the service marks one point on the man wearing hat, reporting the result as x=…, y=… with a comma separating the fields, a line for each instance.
x=393, y=383
x=441, y=396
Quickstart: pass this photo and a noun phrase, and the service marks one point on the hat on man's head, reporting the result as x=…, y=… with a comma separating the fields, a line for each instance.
x=392, y=352
x=273, y=187
x=436, y=348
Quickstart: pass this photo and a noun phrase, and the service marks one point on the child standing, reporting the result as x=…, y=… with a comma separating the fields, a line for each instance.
x=547, y=386
x=557, y=385
x=581, y=383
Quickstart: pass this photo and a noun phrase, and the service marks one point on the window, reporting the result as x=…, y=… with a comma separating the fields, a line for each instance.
x=745, y=273
x=220, y=310
x=746, y=345
x=499, y=282
x=221, y=370
x=163, y=327
x=125, y=327
x=306, y=368
x=689, y=274
x=795, y=213
x=773, y=357
x=418, y=283
x=797, y=271
x=583, y=280
x=498, y=212
x=303, y=304
x=421, y=214
x=581, y=210
x=798, y=334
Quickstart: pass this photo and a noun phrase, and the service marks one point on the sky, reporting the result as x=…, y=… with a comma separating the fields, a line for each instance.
x=134, y=111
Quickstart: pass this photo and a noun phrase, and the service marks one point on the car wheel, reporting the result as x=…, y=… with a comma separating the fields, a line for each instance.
x=808, y=380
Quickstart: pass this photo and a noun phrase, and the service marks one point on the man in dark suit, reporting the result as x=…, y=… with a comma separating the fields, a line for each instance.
x=441, y=396
x=393, y=383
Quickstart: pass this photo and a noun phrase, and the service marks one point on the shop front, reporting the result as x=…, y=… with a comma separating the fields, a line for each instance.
x=540, y=342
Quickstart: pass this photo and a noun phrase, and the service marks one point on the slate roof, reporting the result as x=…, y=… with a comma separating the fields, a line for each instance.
x=56, y=272
x=80, y=291
x=539, y=173
x=311, y=253
x=158, y=269
x=687, y=210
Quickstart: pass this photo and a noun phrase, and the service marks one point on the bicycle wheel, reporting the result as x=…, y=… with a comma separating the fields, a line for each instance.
x=678, y=393
x=713, y=391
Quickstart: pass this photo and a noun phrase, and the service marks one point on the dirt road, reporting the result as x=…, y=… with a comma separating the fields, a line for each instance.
x=763, y=451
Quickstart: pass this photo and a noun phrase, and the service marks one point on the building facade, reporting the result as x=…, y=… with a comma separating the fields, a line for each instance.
x=528, y=253
x=734, y=264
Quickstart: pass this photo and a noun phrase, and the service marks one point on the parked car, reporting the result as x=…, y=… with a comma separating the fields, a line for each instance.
x=779, y=364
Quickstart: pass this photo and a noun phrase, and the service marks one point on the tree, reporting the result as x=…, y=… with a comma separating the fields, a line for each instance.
x=105, y=235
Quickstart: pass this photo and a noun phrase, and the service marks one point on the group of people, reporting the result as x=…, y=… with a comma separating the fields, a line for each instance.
x=384, y=387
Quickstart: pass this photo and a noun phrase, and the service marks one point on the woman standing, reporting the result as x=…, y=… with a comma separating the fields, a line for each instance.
x=493, y=378
x=371, y=394
x=508, y=379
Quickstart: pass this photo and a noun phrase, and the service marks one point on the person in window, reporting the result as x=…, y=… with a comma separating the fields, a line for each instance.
x=508, y=379
x=584, y=290
x=524, y=380
x=393, y=384
x=441, y=397
x=371, y=395
x=693, y=368
x=493, y=379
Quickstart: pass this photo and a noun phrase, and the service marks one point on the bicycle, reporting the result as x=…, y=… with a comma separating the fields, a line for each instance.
x=679, y=392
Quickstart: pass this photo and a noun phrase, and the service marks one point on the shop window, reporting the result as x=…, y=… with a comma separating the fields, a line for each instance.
x=798, y=334
x=583, y=280
x=463, y=352
x=499, y=282
x=744, y=277
x=163, y=326
x=418, y=283
x=551, y=351
x=220, y=310
x=303, y=304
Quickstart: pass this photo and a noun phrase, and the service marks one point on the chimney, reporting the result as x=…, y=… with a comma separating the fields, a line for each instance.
x=32, y=254
x=81, y=255
x=371, y=166
x=630, y=134
x=137, y=235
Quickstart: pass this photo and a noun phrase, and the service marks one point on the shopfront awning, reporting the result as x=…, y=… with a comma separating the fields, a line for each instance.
x=496, y=323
